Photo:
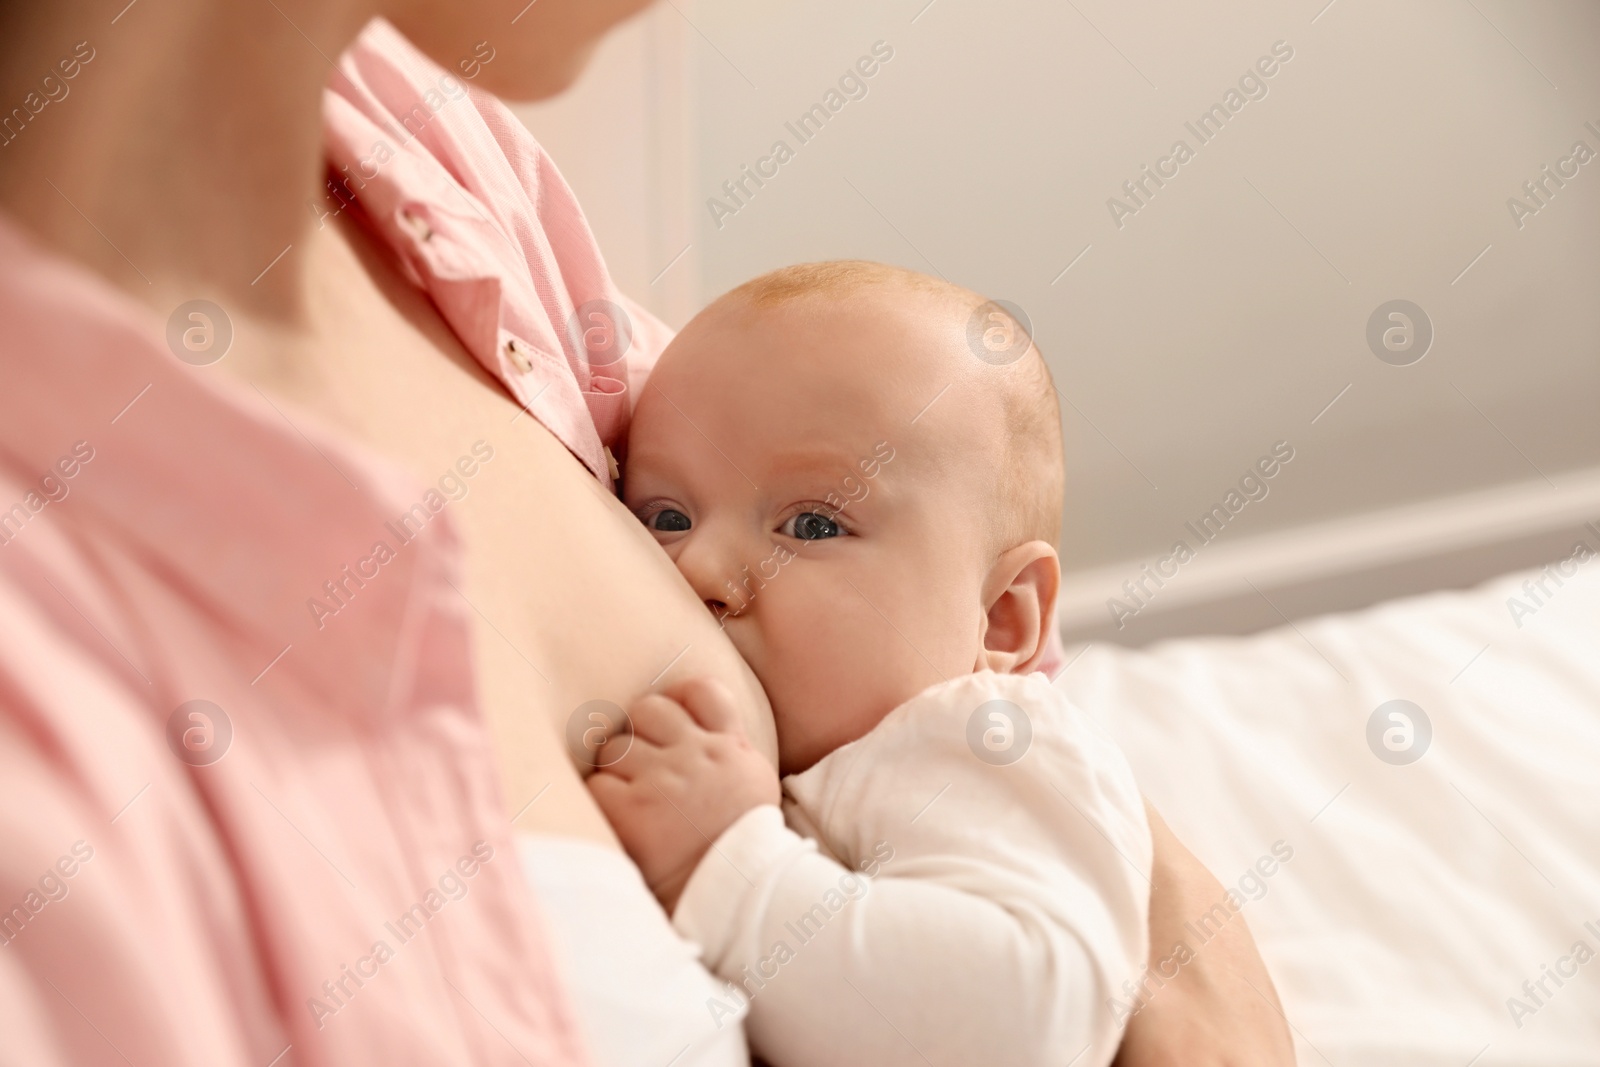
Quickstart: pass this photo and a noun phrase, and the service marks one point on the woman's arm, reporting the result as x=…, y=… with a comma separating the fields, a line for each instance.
x=1220, y=1009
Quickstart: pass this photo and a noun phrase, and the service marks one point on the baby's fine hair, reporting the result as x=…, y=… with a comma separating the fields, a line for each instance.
x=1031, y=485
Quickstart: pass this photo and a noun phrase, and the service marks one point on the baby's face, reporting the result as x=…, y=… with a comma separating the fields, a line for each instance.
x=789, y=462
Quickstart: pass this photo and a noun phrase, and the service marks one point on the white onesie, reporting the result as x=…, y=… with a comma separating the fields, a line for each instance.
x=968, y=883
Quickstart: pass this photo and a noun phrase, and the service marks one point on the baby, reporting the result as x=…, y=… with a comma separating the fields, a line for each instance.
x=859, y=470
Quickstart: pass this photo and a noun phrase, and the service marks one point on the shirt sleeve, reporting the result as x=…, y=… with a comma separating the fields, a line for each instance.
x=977, y=891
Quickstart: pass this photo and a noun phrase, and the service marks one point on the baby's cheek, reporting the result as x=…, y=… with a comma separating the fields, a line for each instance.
x=832, y=676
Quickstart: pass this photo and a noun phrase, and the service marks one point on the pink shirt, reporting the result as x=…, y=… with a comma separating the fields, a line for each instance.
x=339, y=887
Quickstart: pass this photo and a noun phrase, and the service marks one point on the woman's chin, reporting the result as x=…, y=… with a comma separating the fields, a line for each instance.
x=538, y=78
x=543, y=51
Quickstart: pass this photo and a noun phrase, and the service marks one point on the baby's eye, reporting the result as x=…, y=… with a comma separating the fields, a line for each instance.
x=810, y=526
x=668, y=520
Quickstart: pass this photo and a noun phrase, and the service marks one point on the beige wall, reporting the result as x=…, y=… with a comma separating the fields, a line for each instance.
x=1230, y=309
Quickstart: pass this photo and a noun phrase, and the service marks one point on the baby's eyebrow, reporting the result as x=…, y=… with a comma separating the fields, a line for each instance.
x=838, y=479
x=652, y=460
x=826, y=462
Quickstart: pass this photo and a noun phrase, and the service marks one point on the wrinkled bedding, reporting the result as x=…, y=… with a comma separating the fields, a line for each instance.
x=1442, y=903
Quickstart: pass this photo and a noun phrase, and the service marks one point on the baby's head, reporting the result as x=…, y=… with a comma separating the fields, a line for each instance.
x=870, y=506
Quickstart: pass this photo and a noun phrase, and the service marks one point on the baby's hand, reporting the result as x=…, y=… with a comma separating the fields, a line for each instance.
x=688, y=774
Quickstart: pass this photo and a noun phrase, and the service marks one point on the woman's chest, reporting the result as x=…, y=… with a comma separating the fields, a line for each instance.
x=570, y=600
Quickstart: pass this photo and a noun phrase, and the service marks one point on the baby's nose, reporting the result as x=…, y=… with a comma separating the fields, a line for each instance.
x=706, y=561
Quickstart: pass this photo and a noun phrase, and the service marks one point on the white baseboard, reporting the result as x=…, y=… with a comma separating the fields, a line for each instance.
x=1247, y=584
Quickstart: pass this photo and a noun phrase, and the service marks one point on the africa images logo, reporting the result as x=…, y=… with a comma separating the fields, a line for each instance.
x=199, y=732
x=999, y=732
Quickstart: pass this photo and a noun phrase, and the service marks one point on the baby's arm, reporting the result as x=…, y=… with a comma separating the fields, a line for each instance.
x=1008, y=904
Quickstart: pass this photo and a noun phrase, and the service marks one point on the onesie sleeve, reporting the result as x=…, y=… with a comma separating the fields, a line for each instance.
x=977, y=891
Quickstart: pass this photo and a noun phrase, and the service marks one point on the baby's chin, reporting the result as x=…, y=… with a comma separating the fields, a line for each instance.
x=796, y=753
x=808, y=732
x=800, y=743
x=824, y=698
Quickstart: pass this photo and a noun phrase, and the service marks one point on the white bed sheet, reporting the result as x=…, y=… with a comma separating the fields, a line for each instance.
x=1420, y=897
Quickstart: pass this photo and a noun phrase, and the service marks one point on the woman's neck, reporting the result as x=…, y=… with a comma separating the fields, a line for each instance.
x=179, y=158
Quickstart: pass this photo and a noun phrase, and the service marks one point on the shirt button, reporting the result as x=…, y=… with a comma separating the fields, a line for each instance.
x=417, y=225
x=518, y=354
x=611, y=465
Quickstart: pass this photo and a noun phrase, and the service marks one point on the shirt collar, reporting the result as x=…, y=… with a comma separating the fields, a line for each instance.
x=482, y=221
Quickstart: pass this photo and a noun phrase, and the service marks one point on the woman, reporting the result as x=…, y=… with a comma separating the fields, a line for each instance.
x=250, y=678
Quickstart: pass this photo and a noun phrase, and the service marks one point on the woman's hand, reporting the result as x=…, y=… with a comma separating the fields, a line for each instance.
x=1220, y=1009
x=683, y=775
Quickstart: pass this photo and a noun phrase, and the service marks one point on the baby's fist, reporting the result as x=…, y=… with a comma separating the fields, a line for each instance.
x=688, y=773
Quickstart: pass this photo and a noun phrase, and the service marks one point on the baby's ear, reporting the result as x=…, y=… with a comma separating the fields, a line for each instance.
x=1019, y=595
